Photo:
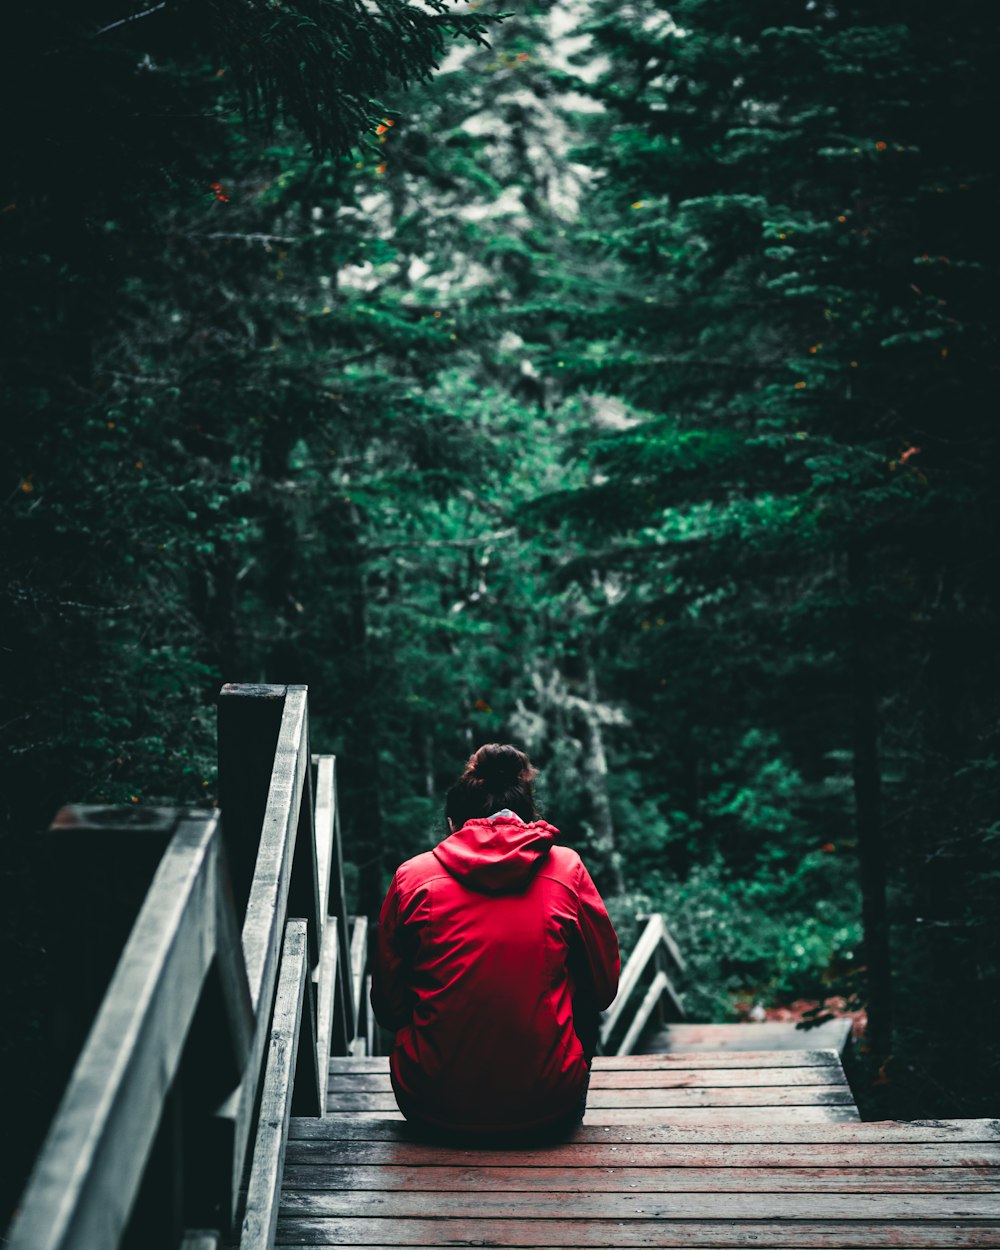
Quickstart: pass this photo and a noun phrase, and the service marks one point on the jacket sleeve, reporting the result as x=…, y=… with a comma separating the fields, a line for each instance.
x=391, y=996
x=600, y=942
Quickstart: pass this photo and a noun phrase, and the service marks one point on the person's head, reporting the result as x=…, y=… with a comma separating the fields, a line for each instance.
x=496, y=776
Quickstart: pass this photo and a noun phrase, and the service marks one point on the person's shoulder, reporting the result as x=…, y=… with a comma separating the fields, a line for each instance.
x=416, y=871
x=564, y=864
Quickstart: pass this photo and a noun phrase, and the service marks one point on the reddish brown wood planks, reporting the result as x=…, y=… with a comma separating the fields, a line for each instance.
x=746, y=1096
x=595, y=1155
x=582, y=1234
x=872, y=1133
x=748, y=1036
x=655, y=1179
x=613, y=1063
x=644, y=1078
x=626, y=1205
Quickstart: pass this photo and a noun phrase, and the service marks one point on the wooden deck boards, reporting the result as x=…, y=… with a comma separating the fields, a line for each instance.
x=665, y=1158
x=641, y=1090
x=689, y=1039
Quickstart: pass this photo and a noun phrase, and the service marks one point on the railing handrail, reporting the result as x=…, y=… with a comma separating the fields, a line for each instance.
x=90, y=1168
x=187, y=955
x=656, y=945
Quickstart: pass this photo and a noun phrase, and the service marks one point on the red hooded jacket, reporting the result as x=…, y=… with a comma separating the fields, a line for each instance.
x=482, y=944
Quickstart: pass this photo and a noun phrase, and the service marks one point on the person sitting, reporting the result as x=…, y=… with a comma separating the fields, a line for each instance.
x=494, y=954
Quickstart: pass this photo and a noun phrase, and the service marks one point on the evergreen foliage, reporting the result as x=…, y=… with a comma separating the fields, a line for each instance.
x=623, y=385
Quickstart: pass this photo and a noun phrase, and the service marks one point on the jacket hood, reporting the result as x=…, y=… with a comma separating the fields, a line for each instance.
x=497, y=854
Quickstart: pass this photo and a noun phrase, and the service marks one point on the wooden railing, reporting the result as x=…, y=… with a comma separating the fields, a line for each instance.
x=653, y=952
x=238, y=979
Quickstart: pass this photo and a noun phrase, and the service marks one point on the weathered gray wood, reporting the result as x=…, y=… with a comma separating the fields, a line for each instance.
x=650, y=1063
x=635, y=965
x=658, y=986
x=371, y=1032
x=261, y=1214
x=707, y=1116
x=658, y=1179
x=639, y=1078
x=669, y=944
x=359, y=959
x=944, y=1132
x=263, y=927
x=692, y=1038
x=432, y=1234
x=703, y=1117
x=884, y=1156
x=303, y=889
x=90, y=1167
x=511, y=1206
x=625, y=1099
x=325, y=979
x=323, y=820
x=344, y=1019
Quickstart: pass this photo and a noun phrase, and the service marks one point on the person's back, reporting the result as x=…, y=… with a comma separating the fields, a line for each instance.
x=484, y=945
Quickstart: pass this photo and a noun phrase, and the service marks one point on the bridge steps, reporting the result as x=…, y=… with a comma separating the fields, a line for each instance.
x=691, y=1150
x=694, y=1038
x=803, y=1086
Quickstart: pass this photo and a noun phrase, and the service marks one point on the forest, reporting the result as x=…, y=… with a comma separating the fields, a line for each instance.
x=616, y=379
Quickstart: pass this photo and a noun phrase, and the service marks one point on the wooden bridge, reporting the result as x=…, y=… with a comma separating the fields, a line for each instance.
x=227, y=1094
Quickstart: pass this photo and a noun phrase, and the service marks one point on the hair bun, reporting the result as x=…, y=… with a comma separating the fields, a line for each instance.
x=498, y=766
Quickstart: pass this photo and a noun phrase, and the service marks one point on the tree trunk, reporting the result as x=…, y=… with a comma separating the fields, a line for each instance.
x=595, y=762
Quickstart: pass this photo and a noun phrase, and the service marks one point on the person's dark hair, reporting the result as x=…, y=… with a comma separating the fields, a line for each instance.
x=497, y=775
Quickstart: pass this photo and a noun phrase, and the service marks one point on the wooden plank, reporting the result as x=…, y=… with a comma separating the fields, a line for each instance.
x=627, y=1099
x=369, y=1234
x=886, y=1156
x=650, y=1063
x=323, y=819
x=261, y=1214
x=874, y=1132
x=642, y=1078
x=88, y=1173
x=371, y=1029
x=304, y=896
x=325, y=980
x=344, y=1020
x=789, y=1058
x=658, y=986
x=708, y=1116
x=359, y=959
x=724, y=1096
x=659, y=1180
x=263, y=926
x=641, y=1118
x=690, y=1038
x=513, y=1206
x=631, y=974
